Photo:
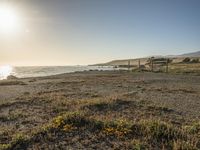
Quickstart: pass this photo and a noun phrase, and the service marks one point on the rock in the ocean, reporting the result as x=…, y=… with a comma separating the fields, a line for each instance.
x=10, y=77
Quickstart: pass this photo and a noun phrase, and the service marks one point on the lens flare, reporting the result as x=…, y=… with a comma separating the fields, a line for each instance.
x=5, y=71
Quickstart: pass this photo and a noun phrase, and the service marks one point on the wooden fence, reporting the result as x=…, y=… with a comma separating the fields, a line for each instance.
x=153, y=64
x=159, y=62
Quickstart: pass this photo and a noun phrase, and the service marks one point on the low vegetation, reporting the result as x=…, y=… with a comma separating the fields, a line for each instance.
x=145, y=134
x=138, y=111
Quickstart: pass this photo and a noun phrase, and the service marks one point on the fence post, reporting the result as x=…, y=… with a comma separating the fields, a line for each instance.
x=129, y=63
x=151, y=64
x=167, y=67
x=139, y=64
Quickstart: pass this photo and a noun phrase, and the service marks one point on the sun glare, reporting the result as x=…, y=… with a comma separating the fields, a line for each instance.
x=5, y=71
x=9, y=21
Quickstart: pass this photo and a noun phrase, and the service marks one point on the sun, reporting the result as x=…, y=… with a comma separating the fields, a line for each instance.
x=9, y=20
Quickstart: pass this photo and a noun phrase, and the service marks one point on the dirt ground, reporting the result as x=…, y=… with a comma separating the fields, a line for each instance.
x=27, y=105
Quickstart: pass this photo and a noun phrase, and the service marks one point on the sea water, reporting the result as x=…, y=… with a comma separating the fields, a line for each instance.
x=23, y=72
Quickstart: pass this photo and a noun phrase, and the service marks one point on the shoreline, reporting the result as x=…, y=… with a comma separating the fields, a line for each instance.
x=34, y=71
x=60, y=74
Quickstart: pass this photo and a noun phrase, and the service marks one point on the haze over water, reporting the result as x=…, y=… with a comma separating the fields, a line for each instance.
x=23, y=72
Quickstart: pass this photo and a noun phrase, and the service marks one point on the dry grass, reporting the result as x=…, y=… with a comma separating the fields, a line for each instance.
x=107, y=111
x=185, y=68
x=11, y=82
x=145, y=134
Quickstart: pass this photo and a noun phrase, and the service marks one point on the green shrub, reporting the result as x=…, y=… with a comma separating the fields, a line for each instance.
x=195, y=60
x=186, y=60
x=19, y=141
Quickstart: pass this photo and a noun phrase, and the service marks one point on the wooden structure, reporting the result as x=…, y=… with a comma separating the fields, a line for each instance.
x=155, y=65
x=129, y=64
x=139, y=64
x=159, y=62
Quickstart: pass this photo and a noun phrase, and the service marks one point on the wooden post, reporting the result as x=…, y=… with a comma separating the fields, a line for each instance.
x=152, y=64
x=129, y=63
x=139, y=64
x=167, y=67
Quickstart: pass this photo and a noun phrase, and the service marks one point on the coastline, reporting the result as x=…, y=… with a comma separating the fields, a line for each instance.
x=39, y=71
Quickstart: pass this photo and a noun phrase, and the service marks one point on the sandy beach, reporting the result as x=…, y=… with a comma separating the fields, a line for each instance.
x=29, y=106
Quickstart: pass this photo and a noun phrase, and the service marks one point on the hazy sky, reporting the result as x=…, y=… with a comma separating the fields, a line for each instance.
x=69, y=32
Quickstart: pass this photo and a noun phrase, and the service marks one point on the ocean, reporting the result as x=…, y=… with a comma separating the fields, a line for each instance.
x=24, y=72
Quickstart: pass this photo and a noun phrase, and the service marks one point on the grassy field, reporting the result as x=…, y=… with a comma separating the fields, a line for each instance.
x=185, y=68
x=101, y=110
x=176, y=65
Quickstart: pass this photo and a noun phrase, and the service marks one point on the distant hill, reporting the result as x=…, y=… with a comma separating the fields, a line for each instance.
x=193, y=54
x=176, y=58
x=124, y=62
